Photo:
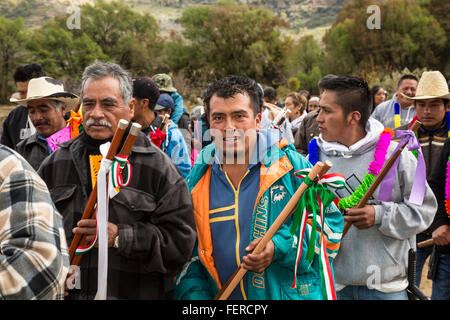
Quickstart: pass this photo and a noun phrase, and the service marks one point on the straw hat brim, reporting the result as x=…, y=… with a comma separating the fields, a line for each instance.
x=445, y=96
x=71, y=100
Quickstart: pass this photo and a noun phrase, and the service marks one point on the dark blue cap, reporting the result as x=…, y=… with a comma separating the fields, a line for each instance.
x=165, y=101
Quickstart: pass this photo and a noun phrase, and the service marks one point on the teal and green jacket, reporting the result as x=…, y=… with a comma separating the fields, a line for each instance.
x=199, y=279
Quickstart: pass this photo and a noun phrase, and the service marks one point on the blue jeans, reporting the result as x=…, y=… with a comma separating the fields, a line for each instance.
x=364, y=293
x=421, y=255
x=441, y=283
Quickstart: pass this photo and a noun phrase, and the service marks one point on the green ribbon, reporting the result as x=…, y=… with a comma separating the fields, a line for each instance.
x=309, y=201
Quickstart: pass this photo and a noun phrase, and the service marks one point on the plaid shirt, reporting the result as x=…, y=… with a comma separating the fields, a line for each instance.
x=33, y=251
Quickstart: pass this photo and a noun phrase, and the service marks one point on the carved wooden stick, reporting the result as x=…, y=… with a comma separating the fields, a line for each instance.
x=319, y=169
x=125, y=151
x=425, y=243
x=89, y=210
x=381, y=176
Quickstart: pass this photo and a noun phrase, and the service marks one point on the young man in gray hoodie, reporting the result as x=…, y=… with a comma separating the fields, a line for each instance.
x=372, y=260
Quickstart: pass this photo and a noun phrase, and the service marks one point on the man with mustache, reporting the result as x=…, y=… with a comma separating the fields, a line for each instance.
x=387, y=113
x=431, y=103
x=150, y=229
x=46, y=103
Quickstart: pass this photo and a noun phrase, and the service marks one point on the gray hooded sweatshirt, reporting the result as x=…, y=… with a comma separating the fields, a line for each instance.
x=377, y=257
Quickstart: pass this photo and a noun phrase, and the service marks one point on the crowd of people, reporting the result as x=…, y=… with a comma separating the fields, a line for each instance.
x=208, y=183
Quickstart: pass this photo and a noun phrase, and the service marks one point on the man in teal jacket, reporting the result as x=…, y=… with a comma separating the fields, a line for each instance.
x=239, y=185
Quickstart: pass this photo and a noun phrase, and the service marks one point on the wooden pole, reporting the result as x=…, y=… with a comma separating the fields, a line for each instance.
x=425, y=243
x=125, y=151
x=89, y=212
x=381, y=176
x=319, y=169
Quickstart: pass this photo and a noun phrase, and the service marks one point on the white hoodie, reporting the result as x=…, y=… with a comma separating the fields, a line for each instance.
x=377, y=257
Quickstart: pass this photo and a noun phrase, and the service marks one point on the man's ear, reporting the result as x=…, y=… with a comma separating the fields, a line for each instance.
x=132, y=105
x=258, y=121
x=354, y=117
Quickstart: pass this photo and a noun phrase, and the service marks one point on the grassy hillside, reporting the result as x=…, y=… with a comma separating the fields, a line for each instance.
x=304, y=16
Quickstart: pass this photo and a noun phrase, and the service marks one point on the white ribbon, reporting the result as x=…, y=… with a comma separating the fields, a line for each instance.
x=103, y=192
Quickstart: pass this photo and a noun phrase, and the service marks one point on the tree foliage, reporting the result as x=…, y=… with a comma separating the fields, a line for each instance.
x=62, y=53
x=409, y=36
x=228, y=38
x=126, y=36
x=12, y=36
x=231, y=39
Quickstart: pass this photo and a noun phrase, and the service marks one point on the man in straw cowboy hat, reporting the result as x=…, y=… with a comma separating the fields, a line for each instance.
x=46, y=103
x=431, y=103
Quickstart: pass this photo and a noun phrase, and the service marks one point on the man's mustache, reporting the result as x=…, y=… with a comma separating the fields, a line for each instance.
x=101, y=122
x=42, y=123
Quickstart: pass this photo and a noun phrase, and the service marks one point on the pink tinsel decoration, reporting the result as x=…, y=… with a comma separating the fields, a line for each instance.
x=447, y=182
x=380, y=153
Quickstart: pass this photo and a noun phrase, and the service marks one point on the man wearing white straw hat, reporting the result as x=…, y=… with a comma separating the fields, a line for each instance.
x=432, y=104
x=46, y=103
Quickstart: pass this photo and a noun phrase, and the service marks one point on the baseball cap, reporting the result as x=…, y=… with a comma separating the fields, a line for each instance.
x=165, y=101
x=145, y=88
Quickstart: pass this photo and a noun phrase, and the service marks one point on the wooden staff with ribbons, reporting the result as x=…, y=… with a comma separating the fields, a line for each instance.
x=381, y=176
x=89, y=211
x=319, y=169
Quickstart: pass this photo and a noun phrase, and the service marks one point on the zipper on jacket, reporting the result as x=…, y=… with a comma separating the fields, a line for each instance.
x=236, y=222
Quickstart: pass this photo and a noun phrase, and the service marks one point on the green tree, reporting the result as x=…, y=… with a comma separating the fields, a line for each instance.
x=232, y=39
x=293, y=84
x=440, y=9
x=409, y=37
x=128, y=37
x=12, y=36
x=305, y=54
x=62, y=53
x=309, y=80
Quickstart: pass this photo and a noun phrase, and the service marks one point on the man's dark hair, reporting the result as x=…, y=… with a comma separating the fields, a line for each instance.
x=145, y=88
x=305, y=93
x=405, y=77
x=232, y=85
x=352, y=94
x=27, y=72
x=270, y=93
x=325, y=78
